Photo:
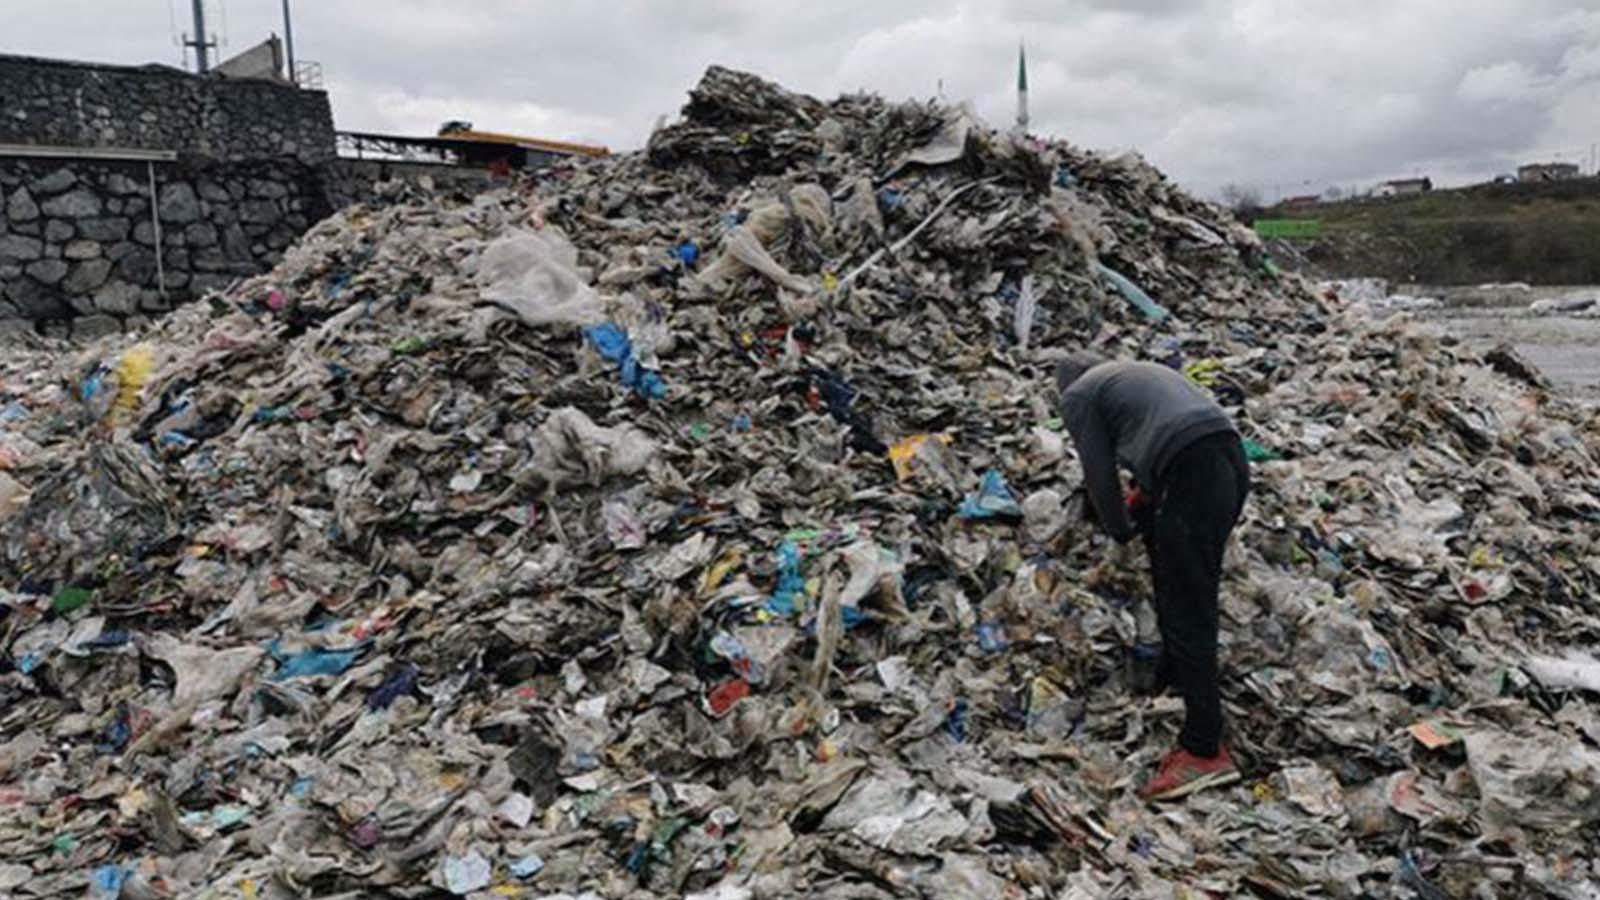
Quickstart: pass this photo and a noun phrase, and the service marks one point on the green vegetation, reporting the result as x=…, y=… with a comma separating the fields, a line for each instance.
x=1545, y=233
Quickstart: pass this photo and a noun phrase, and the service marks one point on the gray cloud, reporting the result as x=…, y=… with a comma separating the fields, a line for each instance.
x=1254, y=91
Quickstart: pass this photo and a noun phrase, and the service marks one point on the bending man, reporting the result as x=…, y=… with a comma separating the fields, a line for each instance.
x=1191, y=481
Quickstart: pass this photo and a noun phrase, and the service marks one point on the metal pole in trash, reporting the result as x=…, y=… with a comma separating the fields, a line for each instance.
x=202, y=62
x=155, y=227
x=288, y=42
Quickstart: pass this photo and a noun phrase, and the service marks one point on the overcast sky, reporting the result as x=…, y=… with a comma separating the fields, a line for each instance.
x=1286, y=96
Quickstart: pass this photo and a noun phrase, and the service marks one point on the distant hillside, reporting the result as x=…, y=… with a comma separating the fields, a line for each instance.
x=1546, y=233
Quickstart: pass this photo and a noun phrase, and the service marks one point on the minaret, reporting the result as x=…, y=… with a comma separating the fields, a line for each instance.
x=1022, y=89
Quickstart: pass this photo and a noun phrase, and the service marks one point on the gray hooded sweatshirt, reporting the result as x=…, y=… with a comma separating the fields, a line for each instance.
x=1134, y=413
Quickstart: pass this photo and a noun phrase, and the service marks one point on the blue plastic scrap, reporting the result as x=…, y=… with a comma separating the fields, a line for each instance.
x=13, y=412
x=994, y=499
x=107, y=881
x=955, y=724
x=313, y=662
x=613, y=344
x=992, y=637
x=1141, y=301
x=527, y=867
x=687, y=253
x=791, y=590
x=401, y=680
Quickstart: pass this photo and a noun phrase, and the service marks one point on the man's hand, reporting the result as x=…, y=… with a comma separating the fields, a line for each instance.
x=1141, y=510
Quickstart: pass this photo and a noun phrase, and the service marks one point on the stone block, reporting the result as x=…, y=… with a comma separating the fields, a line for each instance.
x=176, y=259
x=118, y=298
x=114, y=206
x=153, y=301
x=79, y=204
x=201, y=284
x=136, y=323
x=59, y=328
x=55, y=182
x=97, y=326
x=259, y=212
x=107, y=230
x=20, y=207
x=58, y=231
x=123, y=186
x=144, y=233
x=280, y=238
x=10, y=327
x=212, y=192
x=47, y=271
x=177, y=204
x=82, y=250
x=270, y=190
x=87, y=275
x=201, y=234
x=9, y=270
x=138, y=206
x=139, y=266
x=115, y=252
x=210, y=259
x=36, y=301
x=20, y=248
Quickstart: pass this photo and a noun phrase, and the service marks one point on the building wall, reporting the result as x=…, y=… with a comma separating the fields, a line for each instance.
x=160, y=108
x=79, y=240
x=1547, y=172
x=256, y=168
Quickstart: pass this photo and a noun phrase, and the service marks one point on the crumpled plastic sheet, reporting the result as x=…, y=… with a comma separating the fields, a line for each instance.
x=382, y=582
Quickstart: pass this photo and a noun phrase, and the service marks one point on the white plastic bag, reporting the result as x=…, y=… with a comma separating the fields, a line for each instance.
x=535, y=274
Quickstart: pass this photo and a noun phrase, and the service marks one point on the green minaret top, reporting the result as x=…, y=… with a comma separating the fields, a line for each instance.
x=1022, y=68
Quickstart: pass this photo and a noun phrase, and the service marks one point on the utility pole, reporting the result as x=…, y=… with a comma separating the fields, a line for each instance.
x=288, y=41
x=200, y=44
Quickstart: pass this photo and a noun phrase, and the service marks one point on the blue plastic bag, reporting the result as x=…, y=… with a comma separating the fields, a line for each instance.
x=993, y=499
x=612, y=343
x=313, y=662
x=1141, y=301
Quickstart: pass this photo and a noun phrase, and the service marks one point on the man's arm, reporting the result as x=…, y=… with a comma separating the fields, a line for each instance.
x=1097, y=453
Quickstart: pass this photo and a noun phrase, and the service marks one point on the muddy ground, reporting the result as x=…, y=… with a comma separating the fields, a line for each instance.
x=1567, y=348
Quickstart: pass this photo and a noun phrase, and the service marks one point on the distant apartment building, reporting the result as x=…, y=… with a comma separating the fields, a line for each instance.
x=1554, y=171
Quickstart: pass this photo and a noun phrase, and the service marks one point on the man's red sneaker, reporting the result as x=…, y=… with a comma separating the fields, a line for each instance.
x=1181, y=773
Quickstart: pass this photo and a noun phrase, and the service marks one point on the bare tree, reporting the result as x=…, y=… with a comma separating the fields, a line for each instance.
x=1244, y=201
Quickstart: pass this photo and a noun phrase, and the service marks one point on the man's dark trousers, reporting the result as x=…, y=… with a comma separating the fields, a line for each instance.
x=1201, y=495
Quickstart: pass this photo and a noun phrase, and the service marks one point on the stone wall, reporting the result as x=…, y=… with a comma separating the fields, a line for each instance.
x=79, y=245
x=156, y=107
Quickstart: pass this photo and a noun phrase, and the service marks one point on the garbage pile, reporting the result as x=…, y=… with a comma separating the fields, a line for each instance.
x=698, y=522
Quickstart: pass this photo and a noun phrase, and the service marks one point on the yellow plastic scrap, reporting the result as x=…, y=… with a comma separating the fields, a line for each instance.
x=902, y=453
x=133, y=370
x=719, y=570
x=1203, y=372
x=1485, y=558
